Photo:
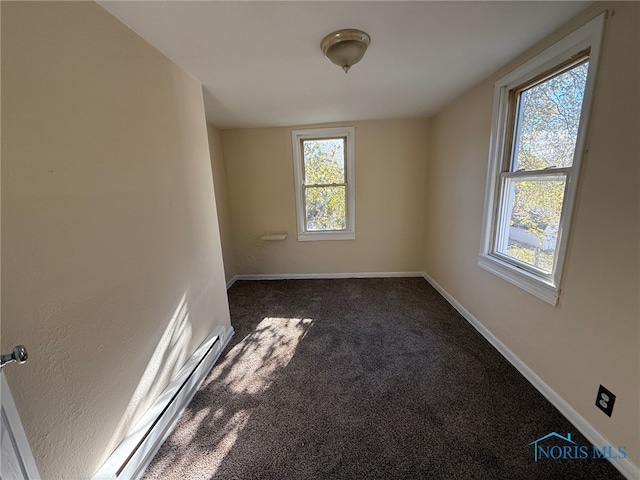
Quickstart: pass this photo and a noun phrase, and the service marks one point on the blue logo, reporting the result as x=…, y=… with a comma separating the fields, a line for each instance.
x=567, y=448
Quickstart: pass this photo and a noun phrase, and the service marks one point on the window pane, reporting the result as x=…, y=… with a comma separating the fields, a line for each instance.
x=325, y=208
x=323, y=161
x=548, y=119
x=531, y=220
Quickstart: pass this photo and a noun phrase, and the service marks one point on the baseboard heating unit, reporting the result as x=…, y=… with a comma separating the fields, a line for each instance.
x=134, y=454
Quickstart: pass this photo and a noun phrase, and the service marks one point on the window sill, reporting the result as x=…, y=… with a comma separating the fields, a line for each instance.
x=527, y=281
x=319, y=236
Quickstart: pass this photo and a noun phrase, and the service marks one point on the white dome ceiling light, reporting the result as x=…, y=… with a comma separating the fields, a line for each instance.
x=345, y=47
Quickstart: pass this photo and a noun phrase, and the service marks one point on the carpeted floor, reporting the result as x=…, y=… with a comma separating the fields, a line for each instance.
x=362, y=379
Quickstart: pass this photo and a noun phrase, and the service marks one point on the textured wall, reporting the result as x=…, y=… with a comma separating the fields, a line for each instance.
x=592, y=337
x=390, y=175
x=111, y=263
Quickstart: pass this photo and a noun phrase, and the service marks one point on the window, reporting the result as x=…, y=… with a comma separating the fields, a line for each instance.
x=324, y=175
x=538, y=137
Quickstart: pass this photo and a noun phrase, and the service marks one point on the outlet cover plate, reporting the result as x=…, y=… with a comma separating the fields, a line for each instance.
x=605, y=400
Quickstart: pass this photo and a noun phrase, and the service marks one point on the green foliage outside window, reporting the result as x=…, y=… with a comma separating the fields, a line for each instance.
x=325, y=187
x=548, y=116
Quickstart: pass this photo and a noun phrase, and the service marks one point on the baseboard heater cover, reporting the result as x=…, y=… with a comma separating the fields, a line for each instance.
x=134, y=454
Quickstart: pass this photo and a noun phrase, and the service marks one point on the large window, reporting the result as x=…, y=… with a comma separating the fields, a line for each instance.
x=324, y=175
x=538, y=138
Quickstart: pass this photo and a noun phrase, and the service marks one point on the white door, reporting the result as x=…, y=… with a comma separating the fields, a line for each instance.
x=17, y=461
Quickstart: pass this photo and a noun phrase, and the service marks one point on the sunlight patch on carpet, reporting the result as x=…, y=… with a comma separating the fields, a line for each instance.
x=264, y=352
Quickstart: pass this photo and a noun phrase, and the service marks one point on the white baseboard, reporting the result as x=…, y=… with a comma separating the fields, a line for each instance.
x=231, y=282
x=132, y=457
x=625, y=466
x=304, y=276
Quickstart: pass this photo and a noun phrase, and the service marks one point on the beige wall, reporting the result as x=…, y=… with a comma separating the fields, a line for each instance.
x=111, y=263
x=390, y=174
x=222, y=203
x=593, y=336
x=111, y=248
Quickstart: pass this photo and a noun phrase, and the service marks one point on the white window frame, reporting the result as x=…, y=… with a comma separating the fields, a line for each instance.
x=298, y=136
x=542, y=285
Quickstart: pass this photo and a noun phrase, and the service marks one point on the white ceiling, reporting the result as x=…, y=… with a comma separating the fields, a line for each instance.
x=260, y=62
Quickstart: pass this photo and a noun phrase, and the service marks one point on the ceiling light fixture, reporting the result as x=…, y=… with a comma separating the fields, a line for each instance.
x=345, y=47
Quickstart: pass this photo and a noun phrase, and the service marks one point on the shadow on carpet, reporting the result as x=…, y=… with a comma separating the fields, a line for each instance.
x=363, y=379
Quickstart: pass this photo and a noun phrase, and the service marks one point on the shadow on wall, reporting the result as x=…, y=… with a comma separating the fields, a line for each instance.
x=167, y=359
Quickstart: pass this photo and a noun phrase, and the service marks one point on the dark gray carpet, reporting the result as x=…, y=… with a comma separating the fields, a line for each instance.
x=362, y=379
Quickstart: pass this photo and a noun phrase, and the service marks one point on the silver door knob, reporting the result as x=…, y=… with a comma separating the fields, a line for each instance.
x=18, y=354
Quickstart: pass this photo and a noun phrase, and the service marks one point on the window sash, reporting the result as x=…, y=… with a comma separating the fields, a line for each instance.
x=516, y=113
x=570, y=50
x=327, y=186
x=501, y=230
x=537, y=174
x=347, y=134
x=345, y=165
x=306, y=186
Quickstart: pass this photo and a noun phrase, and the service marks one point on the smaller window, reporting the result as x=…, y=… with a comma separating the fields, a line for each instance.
x=538, y=136
x=324, y=176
